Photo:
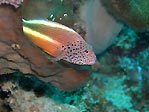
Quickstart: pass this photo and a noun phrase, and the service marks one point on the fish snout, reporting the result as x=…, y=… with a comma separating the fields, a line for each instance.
x=91, y=58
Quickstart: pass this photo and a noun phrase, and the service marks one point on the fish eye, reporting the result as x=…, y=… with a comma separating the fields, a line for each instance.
x=86, y=51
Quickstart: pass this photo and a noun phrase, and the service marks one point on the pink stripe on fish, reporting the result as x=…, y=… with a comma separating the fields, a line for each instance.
x=15, y=3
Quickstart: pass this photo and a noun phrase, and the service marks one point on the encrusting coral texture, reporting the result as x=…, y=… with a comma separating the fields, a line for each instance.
x=21, y=101
x=15, y=3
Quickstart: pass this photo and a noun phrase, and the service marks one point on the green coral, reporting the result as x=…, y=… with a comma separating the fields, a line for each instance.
x=135, y=13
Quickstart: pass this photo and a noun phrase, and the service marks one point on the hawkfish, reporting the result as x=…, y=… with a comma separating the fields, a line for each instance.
x=59, y=41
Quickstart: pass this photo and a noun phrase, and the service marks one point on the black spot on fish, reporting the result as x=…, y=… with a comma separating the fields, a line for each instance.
x=75, y=53
x=64, y=48
x=86, y=51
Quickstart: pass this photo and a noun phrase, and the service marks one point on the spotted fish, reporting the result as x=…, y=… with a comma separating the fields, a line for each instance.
x=59, y=41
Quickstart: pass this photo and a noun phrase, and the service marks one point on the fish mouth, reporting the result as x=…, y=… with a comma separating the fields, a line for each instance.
x=92, y=61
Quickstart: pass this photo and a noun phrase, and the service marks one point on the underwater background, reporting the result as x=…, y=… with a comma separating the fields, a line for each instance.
x=117, y=30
